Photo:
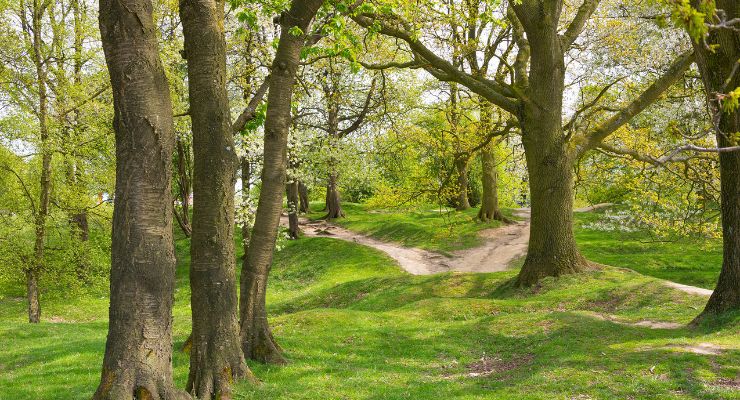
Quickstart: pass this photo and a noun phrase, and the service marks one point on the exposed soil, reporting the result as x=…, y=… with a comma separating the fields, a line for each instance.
x=488, y=365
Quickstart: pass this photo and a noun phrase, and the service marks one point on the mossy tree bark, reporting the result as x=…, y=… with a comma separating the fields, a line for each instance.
x=138, y=353
x=719, y=72
x=256, y=336
x=216, y=358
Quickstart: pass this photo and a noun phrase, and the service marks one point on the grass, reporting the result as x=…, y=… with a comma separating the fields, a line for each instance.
x=354, y=326
x=695, y=262
x=428, y=228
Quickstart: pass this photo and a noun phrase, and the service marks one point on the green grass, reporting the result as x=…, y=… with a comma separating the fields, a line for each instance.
x=428, y=228
x=354, y=326
x=695, y=262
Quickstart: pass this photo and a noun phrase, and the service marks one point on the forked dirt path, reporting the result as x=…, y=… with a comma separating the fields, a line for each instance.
x=501, y=246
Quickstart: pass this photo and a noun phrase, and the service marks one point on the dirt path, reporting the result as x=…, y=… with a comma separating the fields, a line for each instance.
x=414, y=261
x=501, y=246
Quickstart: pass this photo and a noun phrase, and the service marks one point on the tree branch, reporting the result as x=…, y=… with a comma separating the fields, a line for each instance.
x=498, y=94
x=251, y=110
x=648, y=97
x=361, y=117
x=579, y=22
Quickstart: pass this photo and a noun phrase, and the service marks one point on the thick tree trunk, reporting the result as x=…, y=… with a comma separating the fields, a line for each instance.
x=552, y=247
x=461, y=166
x=489, y=208
x=716, y=68
x=303, y=197
x=333, y=198
x=216, y=358
x=138, y=352
x=257, y=340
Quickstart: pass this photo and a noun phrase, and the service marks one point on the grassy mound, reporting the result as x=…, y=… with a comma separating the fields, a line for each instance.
x=356, y=327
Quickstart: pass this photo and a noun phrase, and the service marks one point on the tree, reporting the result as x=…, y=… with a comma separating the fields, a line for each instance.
x=257, y=340
x=216, y=358
x=489, y=206
x=332, y=95
x=534, y=95
x=717, y=46
x=138, y=353
x=32, y=28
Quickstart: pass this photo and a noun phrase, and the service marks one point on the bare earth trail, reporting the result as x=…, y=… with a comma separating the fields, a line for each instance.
x=501, y=246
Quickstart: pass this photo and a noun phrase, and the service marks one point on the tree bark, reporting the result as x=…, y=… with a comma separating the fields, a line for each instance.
x=489, y=208
x=183, y=183
x=461, y=166
x=216, y=358
x=257, y=340
x=333, y=198
x=552, y=247
x=246, y=171
x=718, y=71
x=79, y=217
x=138, y=353
x=32, y=274
x=292, y=193
x=303, y=197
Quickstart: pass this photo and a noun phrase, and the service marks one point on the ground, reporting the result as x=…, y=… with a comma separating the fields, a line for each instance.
x=355, y=326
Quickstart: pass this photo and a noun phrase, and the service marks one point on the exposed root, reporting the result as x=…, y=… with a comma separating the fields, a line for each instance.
x=135, y=385
x=263, y=347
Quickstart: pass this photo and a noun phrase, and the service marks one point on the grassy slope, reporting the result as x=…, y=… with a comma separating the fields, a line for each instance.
x=355, y=327
x=430, y=228
x=690, y=262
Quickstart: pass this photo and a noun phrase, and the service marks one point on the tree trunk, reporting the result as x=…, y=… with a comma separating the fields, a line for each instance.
x=257, y=340
x=461, y=166
x=716, y=68
x=32, y=274
x=489, y=208
x=552, y=247
x=79, y=218
x=246, y=171
x=303, y=197
x=138, y=353
x=183, y=183
x=216, y=358
x=333, y=199
x=292, y=194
